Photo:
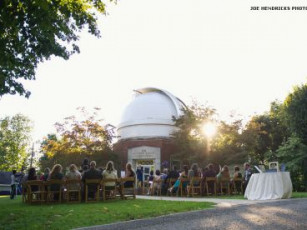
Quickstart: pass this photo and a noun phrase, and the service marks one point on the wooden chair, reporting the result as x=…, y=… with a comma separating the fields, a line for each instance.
x=237, y=186
x=54, y=191
x=195, y=186
x=24, y=193
x=35, y=192
x=73, y=191
x=183, y=187
x=224, y=184
x=211, y=190
x=107, y=192
x=127, y=191
x=92, y=187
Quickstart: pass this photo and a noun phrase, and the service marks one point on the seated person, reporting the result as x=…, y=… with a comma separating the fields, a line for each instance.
x=56, y=174
x=31, y=176
x=92, y=173
x=193, y=172
x=73, y=174
x=183, y=175
x=110, y=173
x=173, y=174
x=237, y=175
x=45, y=176
x=129, y=173
x=209, y=171
x=223, y=175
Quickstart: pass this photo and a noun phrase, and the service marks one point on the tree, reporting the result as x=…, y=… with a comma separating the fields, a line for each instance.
x=295, y=110
x=256, y=138
x=265, y=133
x=189, y=139
x=14, y=142
x=295, y=107
x=76, y=140
x=33, y=31
x=293, y=154
x=227, y=146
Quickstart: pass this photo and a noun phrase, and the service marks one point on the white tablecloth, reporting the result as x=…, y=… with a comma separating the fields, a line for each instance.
x=268, y=186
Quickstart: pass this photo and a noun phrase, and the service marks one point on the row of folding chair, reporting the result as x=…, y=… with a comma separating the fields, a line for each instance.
x=119, y=190
x=70, y=190
x=198, y=186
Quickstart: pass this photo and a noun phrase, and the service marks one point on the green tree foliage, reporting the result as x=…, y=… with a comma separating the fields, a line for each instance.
x=76, y=140
x=296, y=111
x=33, y=31
x=293, y=154
x=227, y=146
x=265, y=133
x=279, y=130
x=14, y=142
x=256, y=137
x=192, y=145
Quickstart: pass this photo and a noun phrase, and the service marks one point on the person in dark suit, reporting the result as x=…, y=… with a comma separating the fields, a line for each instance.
x=92, y=173
x=173, y=174
x=247, y=175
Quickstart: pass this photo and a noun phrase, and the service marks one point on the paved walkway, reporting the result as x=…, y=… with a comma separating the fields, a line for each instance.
x=219, y=202
x=230, y=214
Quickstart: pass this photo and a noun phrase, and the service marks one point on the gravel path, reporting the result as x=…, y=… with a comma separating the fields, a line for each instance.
x=280, y=215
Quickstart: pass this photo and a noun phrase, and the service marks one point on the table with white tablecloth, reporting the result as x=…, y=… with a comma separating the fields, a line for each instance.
x=268, y=186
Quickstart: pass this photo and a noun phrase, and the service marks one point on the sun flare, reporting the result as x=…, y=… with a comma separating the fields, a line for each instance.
x=209, y=129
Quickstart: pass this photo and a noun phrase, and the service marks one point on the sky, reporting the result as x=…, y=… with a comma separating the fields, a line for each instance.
x=219, y=53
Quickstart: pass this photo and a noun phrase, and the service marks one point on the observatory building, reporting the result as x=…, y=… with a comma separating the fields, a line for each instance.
x=144, y=132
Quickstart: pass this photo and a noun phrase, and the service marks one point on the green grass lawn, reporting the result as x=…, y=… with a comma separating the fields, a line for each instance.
x=299, y=195
x=16, y=215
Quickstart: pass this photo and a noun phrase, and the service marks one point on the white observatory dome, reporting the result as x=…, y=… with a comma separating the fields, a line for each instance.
x=150, y=114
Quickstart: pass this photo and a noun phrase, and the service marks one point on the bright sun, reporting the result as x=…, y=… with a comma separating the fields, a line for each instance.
x=209, y=129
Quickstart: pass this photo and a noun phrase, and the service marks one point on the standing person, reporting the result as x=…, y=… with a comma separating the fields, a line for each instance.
x=150, y=181
x=13, y=185
x=85, y=163
x=156, y=185
x=247, y=175
x=139, y=175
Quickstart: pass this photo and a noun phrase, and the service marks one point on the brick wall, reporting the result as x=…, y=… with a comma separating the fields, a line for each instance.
x=166, y=145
